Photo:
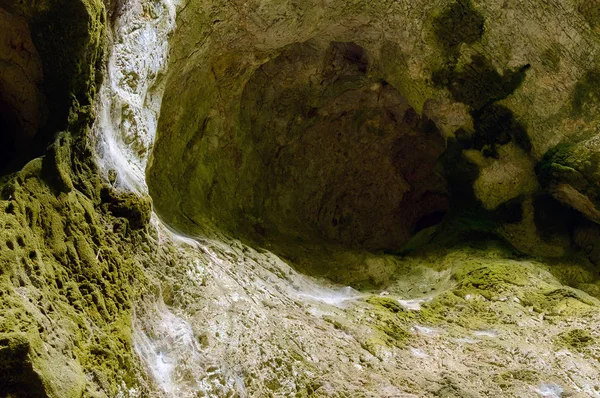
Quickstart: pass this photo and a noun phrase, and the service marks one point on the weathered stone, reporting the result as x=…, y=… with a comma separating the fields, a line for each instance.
x=326, y=133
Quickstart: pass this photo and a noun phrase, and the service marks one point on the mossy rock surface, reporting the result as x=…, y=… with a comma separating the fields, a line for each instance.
x=577, y=339
x=63, y=248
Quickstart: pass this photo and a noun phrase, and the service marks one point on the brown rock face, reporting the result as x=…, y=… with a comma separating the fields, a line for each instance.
x=20, y=95
x=321, y=149
x=329, y=122
x=339, y=155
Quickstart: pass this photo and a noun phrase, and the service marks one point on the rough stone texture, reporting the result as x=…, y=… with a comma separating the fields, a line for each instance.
x=571, y=172
x=470, y=321
x=504, y=81
x=130, y=98
x=68, y=36
x=69, y=273
x=323, y=152
x=98, y=299
x=71, y=245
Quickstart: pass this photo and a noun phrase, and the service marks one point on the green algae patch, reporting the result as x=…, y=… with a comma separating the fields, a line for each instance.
x=385, y=302
x=389, y=322
x=564, y=301
x=508, y=378
x=577, y=339
x=61, y=248
x=490, y=280
x=492, y=287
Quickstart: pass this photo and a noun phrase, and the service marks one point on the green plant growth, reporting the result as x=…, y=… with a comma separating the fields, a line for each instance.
x=577, y=339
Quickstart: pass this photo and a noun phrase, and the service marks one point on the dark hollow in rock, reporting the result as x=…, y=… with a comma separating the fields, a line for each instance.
x=137, y=210
x=21, y=99
x=10, y=134
x=50, y=63
x=322, y=152
x=18, y=376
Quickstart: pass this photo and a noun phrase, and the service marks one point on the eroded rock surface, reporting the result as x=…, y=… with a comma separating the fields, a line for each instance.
x=414, y=184
x=249, y=115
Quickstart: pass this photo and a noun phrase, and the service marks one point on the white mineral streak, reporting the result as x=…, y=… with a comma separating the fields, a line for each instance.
x=131, y=95
x=172, y=355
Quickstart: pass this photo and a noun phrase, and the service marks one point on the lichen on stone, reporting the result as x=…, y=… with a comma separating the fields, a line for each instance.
x=577, y=339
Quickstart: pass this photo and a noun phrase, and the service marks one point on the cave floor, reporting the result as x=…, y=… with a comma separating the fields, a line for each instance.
x=469, y=321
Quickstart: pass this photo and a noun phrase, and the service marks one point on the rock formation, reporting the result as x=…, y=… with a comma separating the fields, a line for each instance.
x=328, y=199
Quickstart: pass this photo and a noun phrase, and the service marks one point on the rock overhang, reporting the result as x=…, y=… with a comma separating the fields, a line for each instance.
x=432, y=120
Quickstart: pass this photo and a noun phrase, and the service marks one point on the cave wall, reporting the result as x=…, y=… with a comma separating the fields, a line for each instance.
x=75, y=249
x=21, y=99
x=72, y=247
x=504, y=83
x=60, y=43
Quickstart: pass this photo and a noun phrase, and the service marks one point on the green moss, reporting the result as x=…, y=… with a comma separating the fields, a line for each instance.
x=57, y=164
x=489, y=280
x=523, y=375
x=385, y=302
x=564, y=301
x=577, y=339
x=390, y=323
x=84, y=276
x=437, y=310
x=580, y=275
